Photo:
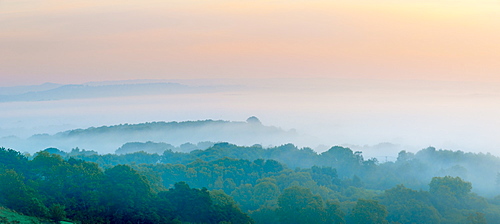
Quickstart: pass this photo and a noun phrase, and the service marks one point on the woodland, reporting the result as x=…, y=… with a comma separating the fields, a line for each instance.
x=228, y=183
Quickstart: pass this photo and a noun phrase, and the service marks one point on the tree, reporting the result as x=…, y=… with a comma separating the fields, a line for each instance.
x=369, y=212
x=477, y=218
x=266, y=194
x=265, y=215
x=343, y=159
x=126, y=195
x=12, y=159
x=226, y=209
x=189, y=204
x=57, y=213
x=298, y=205
x=458, y=187
x=404, y=156
x=253, y=120
x=333, y=213
x=272, y=166
x=243, y=195
x=449, y=192
x=325, y=176
x=405, y=205
x=17, y=196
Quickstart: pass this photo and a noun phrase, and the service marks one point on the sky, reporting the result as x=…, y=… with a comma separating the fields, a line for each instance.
x=80, y=41
x=354, y=72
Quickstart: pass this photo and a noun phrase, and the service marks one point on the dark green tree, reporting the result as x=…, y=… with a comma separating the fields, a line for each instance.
x=57, y=213
x=449, y=192
x=477, y=218
x=16, y=195
x=369, y=212
x=455, y=185
x=126, y=195
x=333, y=213
x=226, y=208
x=189, y=204
x=405, y=205
x=298, y=205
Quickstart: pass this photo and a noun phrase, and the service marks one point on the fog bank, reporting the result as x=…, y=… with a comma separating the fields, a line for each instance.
x=363, y=113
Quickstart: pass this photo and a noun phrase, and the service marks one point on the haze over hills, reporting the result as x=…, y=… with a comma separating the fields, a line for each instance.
x=106, y=139
x=410, y=114
x=52, y=91
x=134, y=112
x=17, y=90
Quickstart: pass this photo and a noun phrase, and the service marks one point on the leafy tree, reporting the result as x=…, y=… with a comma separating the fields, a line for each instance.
x=299, y=205
x=409, y=206
x=343, y=159
x=405, y=156
x=449, y=192
x=368, y=212
x=137, y=192
x=265, y=215
x=272, y=166
x=325, y=176
x=455, y=185
x=189, y=205
x=265, y=194
x=11, y=159
x=243, y=195
x=125, y=194
x=16, y=195
x=57, y=213
x=477, y=218
x=333, y=213
x=226, y=209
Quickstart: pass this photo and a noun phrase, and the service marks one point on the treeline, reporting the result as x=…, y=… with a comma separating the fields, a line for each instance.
x=414, y=170
x=49, y=186
x=106, y=139
x=275, y=185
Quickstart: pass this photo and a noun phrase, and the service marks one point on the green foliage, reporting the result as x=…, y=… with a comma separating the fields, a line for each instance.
x=149, y=147
x=227, y=208
x=369, y=212
x=78, y=190
x=449, y=192
x=265, y=215
x=452, y=185
x=405, y=205
x=16, y=195
x=477, y=218
x=190, y=205
x=11, y=159
x=57, y=213
x=265, y=194
x=222, y=183
x=200, y=206
x=8, y=216
x=299, y=205
x=333, y=213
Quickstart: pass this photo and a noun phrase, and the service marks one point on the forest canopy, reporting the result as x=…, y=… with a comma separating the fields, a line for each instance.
x=227, y=183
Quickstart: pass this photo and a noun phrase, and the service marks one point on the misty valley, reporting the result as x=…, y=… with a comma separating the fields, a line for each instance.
x=220, y=172
x=249, y=112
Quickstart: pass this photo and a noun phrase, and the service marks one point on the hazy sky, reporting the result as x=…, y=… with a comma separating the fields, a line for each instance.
x=347, y=71
x=93, y=40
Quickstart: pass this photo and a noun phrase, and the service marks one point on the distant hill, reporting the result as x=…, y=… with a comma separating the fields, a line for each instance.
x=17, y=90
x=50, y=91
x=107, y=139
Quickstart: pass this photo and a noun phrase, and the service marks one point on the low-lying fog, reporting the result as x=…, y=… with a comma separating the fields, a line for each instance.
x=360, y=114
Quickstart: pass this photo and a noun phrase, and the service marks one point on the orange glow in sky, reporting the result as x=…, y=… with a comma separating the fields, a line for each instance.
x=78, y=41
